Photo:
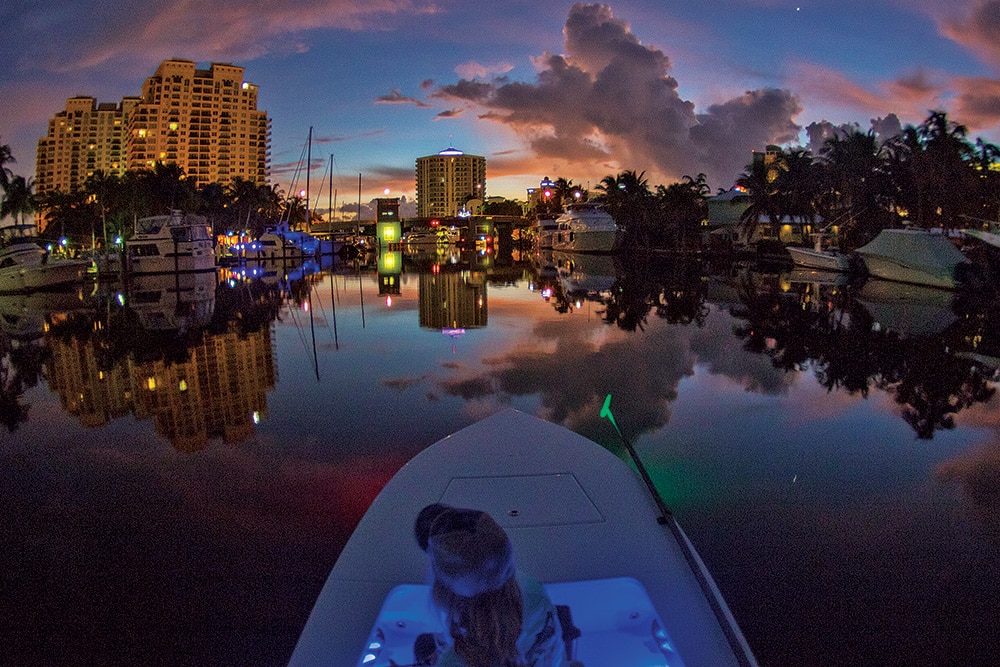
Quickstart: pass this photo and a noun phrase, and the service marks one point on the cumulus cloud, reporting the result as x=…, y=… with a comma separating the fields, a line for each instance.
x=643, y=373
x=610, y=96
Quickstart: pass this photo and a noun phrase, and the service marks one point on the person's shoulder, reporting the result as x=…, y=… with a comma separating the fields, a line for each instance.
x=530, y=587
x=450, y=659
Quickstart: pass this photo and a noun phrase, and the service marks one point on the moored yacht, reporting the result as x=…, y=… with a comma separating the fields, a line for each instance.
x=281, y=242
x=819, y=257
x=585, y=227
x=26, y=266
x=914, y=256
x=175, y=243
x=544, y=231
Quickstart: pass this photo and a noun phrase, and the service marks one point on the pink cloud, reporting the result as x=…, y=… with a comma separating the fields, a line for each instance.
x=978, y=103
x=226, y=29
x=474, y=70
x=977, y=29
x=974, y=101
x=396, y=97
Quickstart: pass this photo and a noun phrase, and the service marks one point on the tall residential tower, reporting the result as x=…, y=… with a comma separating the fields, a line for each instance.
x=204, y=120
x=446, y=182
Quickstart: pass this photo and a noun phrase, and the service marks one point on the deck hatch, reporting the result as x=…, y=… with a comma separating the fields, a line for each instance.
x=525, y=500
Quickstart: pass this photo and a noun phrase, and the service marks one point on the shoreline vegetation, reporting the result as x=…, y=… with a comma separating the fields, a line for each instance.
x=928, y=176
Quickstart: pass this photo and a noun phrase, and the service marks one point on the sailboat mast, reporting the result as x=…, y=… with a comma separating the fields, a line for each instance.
x=308, y=169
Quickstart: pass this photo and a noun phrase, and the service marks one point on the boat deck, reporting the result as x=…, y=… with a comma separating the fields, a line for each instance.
x=574, y=512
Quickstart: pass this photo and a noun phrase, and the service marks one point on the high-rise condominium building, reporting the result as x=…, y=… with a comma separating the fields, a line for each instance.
x=84, y=138
x=446, y=182
x=204, y=120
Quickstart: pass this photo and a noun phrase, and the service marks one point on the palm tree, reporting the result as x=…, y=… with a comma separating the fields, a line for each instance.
x=680, y=207
x=19, y=201
x=988, y=202
x=797, y=185
x=934, y=163
x=859, y=192
x=566, y=191
x=5, y=173
x=763, y=202
x=630, y=202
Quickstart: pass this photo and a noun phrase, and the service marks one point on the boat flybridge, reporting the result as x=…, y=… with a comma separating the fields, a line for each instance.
x=629, y=588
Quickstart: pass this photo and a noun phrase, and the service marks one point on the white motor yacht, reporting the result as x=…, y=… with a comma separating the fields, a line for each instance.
x=25, y=266
x=585, y=227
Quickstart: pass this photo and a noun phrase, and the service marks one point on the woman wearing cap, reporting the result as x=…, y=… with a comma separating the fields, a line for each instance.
x=494, y=616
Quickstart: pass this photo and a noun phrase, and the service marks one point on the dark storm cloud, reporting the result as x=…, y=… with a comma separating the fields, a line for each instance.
x=887, y=127
x=610, y=95
x=729, y=132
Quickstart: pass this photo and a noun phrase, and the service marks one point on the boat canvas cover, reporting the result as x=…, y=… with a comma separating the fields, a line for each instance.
x=931, y=253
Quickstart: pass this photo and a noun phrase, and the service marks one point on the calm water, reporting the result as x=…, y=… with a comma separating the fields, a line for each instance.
x=181, y=463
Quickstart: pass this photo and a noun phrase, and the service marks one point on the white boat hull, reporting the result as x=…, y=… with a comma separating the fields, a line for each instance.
x=584, y=241
x=54, y=273
x=890, y=269
x=575, y=513
x=585, y=227
x=912, y=256
x=174, y=243
x=819, y=259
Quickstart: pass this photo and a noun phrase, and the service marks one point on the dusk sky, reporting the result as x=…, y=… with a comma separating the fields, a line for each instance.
x=540, y=88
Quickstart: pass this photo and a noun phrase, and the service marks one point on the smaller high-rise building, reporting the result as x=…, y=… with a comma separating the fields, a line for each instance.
x=448, y=182
x=84, y=138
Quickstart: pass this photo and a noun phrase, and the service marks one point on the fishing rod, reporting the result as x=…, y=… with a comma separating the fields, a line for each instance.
x=665, y=513
x=698, y=569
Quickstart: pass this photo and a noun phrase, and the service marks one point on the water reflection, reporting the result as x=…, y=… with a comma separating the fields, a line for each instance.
x=194, y=357
x=743, y=388
x=159, y=347
x=926, y=347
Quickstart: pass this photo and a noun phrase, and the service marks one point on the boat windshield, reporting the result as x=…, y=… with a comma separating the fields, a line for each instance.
x=605, y=622
x=150, y=226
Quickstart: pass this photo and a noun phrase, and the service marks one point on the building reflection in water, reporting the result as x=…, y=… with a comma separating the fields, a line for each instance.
x=195, y=358
x=452, y=298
